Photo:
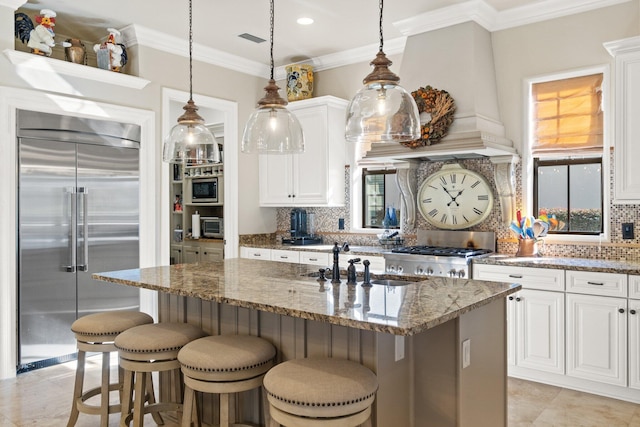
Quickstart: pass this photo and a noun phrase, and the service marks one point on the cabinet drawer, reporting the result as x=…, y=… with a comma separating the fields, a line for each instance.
x=315, y=258
x=529, y=277
x=256, y=253
x=634, y=287
x=285, y=256
x=595, y=283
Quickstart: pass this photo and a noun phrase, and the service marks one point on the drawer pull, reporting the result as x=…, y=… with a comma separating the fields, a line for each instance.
x=257, y=255
x=313, y=259
x=516, y=276
x=595, y=283
x=284, y=257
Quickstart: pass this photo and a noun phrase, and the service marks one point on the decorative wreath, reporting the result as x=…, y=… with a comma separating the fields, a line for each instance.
x=441, y=106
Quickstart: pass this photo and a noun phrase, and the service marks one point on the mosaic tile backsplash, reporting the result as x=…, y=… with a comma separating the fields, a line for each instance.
x=615, y=249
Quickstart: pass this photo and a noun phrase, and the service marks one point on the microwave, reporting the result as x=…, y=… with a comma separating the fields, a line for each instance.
x=212, y=226
x=206, y=190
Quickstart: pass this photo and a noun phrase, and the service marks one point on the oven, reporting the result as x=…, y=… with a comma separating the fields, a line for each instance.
x=441, y=253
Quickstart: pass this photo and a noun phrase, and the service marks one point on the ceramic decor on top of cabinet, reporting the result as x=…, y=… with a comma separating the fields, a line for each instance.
x=627, y=108
x=315, y=177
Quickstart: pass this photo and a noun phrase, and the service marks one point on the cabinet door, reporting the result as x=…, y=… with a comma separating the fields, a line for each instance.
x=211, y=254
x=310, y=168
x=276, y=178
x=191, y=254
x=176, y=254
x=634, y=287
x=597, y=338
x=634, y=344
x=540, y=330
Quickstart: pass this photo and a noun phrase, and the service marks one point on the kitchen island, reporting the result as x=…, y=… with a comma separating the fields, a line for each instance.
x=411, y=336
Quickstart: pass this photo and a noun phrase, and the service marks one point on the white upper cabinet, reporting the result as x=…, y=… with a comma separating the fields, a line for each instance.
x=317, y=176
x=627, y=110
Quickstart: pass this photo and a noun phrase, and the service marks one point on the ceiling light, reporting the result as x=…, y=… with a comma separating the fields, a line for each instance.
x=272, y=129
x=382, y=111
x=305, y=21
x=190, y=141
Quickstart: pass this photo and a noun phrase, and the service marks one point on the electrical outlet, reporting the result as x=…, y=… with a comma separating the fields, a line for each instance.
x=466, y=353
x=627, y=230
x=340, y=223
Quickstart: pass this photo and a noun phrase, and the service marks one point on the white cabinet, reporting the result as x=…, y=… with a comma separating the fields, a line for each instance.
x=627, y=128
x=535, y=316
x=595, y=283
x=540, y=330
x=255, y=253
x=634, y=287
x=634, y=344
x=285, y=256
x=597, y=338
x=315, y=258
x=317, y=176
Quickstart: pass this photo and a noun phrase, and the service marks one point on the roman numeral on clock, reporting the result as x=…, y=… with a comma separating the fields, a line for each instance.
x=454, y=220
x=452, y=177
x=443, y=180
x=429, y=200
x=444, y=218
x=475, y=184
x=483, y=197
x=433, y=212
x=477, y=211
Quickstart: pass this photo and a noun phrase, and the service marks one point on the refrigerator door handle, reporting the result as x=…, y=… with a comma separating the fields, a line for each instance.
x=73, y=221
x=83, y=192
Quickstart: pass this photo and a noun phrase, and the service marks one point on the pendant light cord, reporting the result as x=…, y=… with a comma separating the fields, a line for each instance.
x=381, y=36
x=190, y=51
x=271, y=38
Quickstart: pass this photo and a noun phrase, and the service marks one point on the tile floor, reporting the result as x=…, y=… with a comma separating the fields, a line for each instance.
x=42, y=398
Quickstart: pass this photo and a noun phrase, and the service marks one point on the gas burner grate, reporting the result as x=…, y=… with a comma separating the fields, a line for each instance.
x=440, y=251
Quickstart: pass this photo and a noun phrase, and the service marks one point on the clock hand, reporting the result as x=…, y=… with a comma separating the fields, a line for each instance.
x=447, y=191
x=453, y=199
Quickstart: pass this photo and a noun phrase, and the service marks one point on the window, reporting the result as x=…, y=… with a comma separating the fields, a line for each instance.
x=567, y=149
x=380, y=199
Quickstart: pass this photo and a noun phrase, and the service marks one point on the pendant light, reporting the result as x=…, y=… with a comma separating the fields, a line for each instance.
x=382, y=111
x=190, y=141
x=272, y=129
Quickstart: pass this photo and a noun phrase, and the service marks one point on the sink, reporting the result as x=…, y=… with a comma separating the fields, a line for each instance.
x=390, y=282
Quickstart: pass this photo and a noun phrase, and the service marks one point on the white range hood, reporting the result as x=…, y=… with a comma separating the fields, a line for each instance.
x=458, y=59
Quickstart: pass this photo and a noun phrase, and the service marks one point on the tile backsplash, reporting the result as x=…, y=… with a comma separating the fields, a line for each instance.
x=326, y=220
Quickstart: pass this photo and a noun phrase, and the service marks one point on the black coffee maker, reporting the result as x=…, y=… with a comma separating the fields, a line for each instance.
x=299, y=230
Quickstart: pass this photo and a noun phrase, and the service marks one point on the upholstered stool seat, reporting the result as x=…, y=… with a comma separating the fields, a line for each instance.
x=223, y=364
x=320, y=392
x=146, y=349
x=96, y=333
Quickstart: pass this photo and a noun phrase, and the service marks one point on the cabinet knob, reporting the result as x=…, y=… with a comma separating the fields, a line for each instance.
x=632, y=311
x=621, y=310
x=518, y=299
x=510, y=298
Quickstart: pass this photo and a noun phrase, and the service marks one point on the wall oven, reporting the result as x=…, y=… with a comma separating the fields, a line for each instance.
x=207, y=190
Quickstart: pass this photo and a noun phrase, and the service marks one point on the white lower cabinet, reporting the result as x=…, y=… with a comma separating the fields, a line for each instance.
x=539, y=335
x=285, y=256
x=255, y=253
x=597, y=338
x=315, y=258
x=634, y=344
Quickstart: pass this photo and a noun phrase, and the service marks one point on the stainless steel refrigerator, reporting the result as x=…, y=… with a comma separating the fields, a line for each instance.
x=78, y=214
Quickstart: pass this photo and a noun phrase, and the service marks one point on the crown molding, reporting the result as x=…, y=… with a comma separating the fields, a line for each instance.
x=138, y=34
x=492, y=20
x=618, y=47
x=13, y=4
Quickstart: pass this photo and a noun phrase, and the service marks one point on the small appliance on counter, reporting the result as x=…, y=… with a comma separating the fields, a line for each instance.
x=301, y=234
x=212, y=227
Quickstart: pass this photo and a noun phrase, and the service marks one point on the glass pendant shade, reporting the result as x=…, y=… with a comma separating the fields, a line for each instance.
x=272, y=128
x=190, y=141
x=382, y=111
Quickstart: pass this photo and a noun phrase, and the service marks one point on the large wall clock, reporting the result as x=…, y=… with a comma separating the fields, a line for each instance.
x=455, y=198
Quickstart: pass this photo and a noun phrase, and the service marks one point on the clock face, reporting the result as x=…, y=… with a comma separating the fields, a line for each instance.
x=455, y=198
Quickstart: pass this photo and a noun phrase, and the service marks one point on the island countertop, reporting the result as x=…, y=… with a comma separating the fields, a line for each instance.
x=292, y=290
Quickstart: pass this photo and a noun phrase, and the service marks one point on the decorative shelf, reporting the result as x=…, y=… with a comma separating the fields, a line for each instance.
x=56, y=66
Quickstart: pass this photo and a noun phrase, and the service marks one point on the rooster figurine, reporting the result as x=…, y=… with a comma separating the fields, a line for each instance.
x=111, y=55
x=39, y=38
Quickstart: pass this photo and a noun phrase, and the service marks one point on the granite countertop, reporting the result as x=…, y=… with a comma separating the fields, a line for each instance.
x=327, y=248
x=578, y=264
x=292, y=290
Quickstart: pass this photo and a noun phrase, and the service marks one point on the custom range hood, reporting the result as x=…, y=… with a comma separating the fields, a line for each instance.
x=458, y=59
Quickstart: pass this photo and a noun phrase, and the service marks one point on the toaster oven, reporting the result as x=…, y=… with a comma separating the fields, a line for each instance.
x=212, y=227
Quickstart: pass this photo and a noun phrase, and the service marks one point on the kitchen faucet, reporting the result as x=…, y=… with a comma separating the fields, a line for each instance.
x=335, y=271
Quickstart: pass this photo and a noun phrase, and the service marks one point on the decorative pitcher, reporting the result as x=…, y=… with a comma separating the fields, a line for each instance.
x=76, y=52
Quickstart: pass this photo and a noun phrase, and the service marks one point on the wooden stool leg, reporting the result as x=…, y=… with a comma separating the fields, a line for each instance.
x=127, y=395
x=104, y=391
x=150, y=398
x=77, y=389
x=138, y=401
x=224, y=410
x=188, y=406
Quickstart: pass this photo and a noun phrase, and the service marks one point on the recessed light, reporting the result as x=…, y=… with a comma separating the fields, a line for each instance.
x=305, y=21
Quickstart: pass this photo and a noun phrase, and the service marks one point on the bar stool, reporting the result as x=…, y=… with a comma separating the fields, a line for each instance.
x=96, y=333
x=223, y=364
x=322, y=392
x=145, y=349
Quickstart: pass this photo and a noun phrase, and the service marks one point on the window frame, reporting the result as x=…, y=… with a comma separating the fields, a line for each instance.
x=528, y=160
x=568, y=162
